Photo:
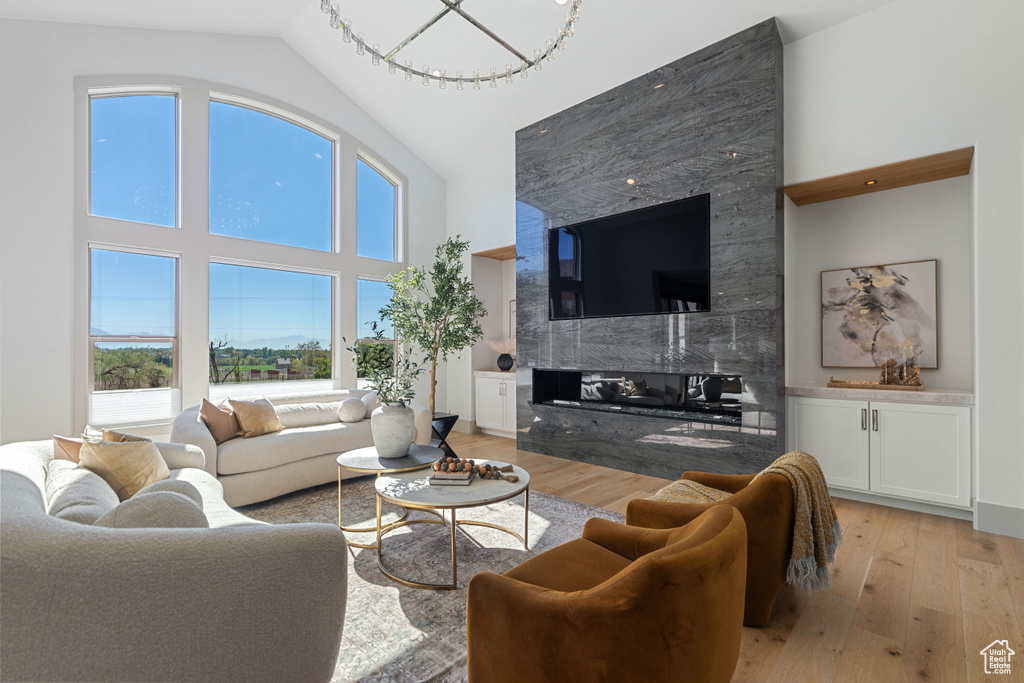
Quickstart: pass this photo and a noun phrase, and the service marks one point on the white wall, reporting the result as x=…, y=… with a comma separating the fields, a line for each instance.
x=37, y=184
x=930, y=221
x=917, y=77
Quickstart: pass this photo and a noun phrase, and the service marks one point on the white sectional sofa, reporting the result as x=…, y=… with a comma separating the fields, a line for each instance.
x=239, y=601
x=300, y=456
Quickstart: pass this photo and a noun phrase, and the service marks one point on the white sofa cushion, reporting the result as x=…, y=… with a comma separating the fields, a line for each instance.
x=75, y=494
x=156, y=510
x=175, y=486
x=291, y=445
x=308, y=414
x=217, y=512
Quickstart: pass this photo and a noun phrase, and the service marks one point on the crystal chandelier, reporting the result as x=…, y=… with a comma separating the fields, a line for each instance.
x=521, y=66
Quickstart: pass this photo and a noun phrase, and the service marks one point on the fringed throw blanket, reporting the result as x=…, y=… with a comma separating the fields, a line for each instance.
x=816, y=530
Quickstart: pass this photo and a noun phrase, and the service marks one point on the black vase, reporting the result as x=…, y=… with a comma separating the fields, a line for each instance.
x=505, y=362
x=711, y=388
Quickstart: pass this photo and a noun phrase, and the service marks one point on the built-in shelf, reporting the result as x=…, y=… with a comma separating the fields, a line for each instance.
x=500, y=254
x=888, y=177
x=955, y=397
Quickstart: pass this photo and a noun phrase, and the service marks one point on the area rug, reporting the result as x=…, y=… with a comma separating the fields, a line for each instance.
x=397, y=634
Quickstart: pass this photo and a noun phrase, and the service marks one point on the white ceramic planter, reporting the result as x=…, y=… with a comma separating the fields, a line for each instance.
x=393, y=428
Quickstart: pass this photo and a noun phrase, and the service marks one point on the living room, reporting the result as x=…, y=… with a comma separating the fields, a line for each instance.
x=754, y=105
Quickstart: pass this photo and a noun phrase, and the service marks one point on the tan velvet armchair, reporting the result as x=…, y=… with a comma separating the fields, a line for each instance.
x=767, y=508
x=621, y=604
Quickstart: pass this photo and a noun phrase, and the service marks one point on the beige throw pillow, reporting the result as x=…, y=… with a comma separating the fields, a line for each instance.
x=121, y=437
x=221, y=422
x=126, y=466
x=256, y=417
x=65, y=448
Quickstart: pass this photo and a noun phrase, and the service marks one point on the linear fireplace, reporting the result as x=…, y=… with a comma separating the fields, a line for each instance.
x=713, y=399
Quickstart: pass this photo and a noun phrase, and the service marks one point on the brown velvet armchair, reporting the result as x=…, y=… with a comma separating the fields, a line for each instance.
x=767, y=508
x=621, y=604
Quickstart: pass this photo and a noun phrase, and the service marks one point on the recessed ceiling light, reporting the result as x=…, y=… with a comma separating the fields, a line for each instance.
x=630, y=181
x=561, y=2
x=660, y=85
x=871, y=182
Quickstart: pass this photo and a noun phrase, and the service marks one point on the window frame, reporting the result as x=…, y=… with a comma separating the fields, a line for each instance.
x=398, y=250
x=306, y=124
x=136, y=91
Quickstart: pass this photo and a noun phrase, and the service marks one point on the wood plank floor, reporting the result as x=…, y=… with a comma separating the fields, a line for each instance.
x=915, y=596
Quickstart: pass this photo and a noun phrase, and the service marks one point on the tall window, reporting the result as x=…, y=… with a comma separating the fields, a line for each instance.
x=133, y=333
x=376, y=213
x=371, y=296
x=270, y=179
x=133, y=158
x=269, y=329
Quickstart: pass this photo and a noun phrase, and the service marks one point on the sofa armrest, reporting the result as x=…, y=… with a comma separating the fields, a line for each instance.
x=631, y=542
x=657, y=514
x=422, y=418
x=173, y=604
x=189, y=428
x=732, y=483
x=181, y=455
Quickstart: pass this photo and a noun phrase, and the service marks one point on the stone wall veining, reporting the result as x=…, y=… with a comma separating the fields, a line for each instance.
x=713, y=126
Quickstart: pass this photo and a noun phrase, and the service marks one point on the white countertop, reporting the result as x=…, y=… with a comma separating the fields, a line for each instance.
x=957, y=397
x=494, y=374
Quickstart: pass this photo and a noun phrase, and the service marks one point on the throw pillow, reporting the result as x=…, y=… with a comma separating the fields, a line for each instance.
x=174, y=486
x=125, y=466
x=75, y=494
x=294, y=415
x=121, y=437
x=256, y=417
x=639, y=388
x=221, y=422
x=371, y=401
x=352, y=410
x=66, y=449
x=156, y=510
x=686, y=491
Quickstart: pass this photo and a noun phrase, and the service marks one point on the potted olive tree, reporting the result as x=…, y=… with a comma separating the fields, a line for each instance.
x=393, y=376
x=437, y=310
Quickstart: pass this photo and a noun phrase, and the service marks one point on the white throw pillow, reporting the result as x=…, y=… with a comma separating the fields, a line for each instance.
x=371, y=402
x=352, y=410
x=156, y=510
x=75, y=494
x=294, y=415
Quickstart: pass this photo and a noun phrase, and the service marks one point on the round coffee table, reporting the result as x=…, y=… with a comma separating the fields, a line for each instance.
x=366, y=461
x=413, y=491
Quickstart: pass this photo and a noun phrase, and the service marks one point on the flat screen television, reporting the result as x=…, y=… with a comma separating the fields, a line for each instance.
x=644, y=262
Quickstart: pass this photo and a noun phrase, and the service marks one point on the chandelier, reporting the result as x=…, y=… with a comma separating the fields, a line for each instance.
x=521, y=65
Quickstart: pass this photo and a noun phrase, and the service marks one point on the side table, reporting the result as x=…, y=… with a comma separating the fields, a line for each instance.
x=442, y=424
x=366, y=461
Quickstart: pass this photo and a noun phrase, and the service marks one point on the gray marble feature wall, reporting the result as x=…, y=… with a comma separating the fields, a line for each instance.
x=710, y=122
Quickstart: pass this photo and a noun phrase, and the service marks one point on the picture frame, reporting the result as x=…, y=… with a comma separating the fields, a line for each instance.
x=870, y=314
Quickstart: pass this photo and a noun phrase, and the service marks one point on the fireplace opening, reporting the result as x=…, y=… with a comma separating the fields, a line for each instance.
x=707, y=398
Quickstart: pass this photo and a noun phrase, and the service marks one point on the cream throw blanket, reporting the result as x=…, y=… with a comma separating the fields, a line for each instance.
x=816, y=529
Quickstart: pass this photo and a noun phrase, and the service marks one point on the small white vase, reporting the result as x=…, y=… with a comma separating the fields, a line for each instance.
x=393, y=429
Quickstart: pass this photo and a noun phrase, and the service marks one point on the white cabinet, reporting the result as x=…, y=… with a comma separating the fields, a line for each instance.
x=910, y=450
x=496, y=401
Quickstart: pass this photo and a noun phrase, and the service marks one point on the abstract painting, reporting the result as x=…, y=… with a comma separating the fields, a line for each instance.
x=872, y=314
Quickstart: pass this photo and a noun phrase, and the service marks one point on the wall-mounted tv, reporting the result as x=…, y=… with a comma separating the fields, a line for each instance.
x=642, y=262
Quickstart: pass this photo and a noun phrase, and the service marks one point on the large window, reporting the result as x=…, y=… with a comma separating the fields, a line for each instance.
x=133, y=158
x=133, y=337
x=374, y=334
x=269, y=329
x=270, y=179
x=376, y=213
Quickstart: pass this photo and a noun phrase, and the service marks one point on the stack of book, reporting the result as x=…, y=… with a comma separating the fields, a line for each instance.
x=464, y=478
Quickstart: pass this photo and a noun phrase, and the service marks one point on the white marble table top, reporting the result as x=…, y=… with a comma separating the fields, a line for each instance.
x=367, y=460
x=414, y=489
x=960, y=397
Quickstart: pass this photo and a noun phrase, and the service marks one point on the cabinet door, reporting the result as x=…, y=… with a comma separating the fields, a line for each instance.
x=489, y=408
x=510, y=405
x=835, y=433
x=922, y=452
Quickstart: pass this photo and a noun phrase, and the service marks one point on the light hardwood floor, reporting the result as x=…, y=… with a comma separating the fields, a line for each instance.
x=915, y=596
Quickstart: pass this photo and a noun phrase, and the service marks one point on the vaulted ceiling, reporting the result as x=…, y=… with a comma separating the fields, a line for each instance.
x=452, y=131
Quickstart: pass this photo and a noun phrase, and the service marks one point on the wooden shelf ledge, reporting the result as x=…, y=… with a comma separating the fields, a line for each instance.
x=901, y=174
x=500, y=254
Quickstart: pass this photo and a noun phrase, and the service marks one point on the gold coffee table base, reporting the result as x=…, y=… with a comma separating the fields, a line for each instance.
x=454, y=525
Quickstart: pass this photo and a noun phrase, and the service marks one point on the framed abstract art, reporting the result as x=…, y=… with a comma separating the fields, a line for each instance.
x=874, y=313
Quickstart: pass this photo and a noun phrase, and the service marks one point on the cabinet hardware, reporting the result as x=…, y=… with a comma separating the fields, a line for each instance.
x=874, y=420
x=864, y=419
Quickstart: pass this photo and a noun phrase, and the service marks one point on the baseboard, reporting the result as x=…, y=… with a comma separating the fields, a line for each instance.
x=901, y=503
x=999, y=519
x=465, y=427
x=498, y=432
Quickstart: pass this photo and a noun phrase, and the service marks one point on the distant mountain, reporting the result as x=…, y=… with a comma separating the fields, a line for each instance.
x=277, y=343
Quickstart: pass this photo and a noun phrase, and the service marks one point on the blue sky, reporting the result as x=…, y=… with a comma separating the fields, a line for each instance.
x=270, y=180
